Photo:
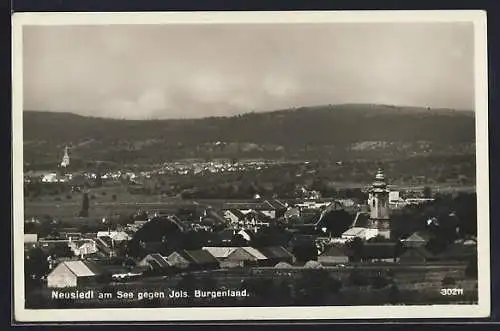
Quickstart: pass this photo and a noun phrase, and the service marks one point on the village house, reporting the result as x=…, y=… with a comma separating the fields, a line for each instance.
x=72, y=274
x=216, y=217
x=379, y=252
x=83, y=247
x=193, y=259
x=106, y=246
x=30, y=240
x=155, y=262
x=272, y=208
x=277, y=254
x=416, y=239
x=333, y=255
x=292, y=214
x=231, y=257
x=116, y=236
x=234, y=216
x=358, y=232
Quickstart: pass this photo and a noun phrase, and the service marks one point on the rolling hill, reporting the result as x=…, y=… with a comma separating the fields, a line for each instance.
x=280, y=133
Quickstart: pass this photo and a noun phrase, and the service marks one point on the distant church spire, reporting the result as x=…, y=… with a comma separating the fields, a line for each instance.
x=65, y=159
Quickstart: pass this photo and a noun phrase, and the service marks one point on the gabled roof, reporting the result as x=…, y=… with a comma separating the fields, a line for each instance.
x=276, y=252
x=312, y=265
x=237, y=213
x=271, y=205
x=257, y=213
x=81, y=268
x=216, y=216
x=283, y=265
x=200, y=256
x=419, y=251
x=292, y=212
x=107, y=241
x=418, y=237
x=220, y=252
x=356, y=231
x=361, y=220
x=255, y=253
x=161, y=260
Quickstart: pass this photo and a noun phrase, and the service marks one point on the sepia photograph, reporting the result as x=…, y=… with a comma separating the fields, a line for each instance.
x=224, y=166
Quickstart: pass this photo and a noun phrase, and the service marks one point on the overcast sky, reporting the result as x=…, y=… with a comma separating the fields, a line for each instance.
x=172, y=71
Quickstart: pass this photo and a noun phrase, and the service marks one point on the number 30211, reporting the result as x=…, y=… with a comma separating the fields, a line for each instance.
x=452, y=291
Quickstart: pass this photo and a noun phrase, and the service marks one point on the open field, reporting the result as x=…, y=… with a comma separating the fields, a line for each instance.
x=112, y=200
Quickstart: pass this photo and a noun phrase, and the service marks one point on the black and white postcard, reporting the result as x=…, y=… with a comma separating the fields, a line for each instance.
x=221, y=166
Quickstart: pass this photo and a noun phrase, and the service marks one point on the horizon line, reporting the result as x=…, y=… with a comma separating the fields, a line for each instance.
x=458, y=110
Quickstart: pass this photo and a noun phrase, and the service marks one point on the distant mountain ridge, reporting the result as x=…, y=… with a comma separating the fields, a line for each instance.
x=284, y=130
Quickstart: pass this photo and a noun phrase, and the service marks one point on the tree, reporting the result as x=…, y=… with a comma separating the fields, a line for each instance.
x=427, y=192
x=36, y=264
x=238, y=240
x=305, y=251
x=356, y=247
x=61, y=250
x=336, y=222
x=84, y=212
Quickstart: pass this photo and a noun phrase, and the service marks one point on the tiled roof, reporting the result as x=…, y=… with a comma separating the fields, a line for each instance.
x=161, y=260
x=237, y=213
x=255, y=253
x=418, y=237
x=420, y=251
x=220, y=252
x=356, y=231
x=201, y=256
x=275, y=252
x=80, y=268
x=216, y=216
x=361, y=220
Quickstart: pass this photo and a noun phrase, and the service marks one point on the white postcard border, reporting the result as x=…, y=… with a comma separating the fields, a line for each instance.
x=482, y=309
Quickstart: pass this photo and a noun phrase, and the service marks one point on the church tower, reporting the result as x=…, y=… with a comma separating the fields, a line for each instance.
x=378, y=201
x=65, y=160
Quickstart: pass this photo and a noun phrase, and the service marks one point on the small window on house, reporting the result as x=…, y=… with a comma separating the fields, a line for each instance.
x=373, y=202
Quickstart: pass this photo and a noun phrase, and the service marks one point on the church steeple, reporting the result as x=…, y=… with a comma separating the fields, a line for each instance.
x=378, y=202
x=65, y=159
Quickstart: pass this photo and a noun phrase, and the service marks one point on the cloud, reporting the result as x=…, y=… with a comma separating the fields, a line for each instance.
x=168, y=71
